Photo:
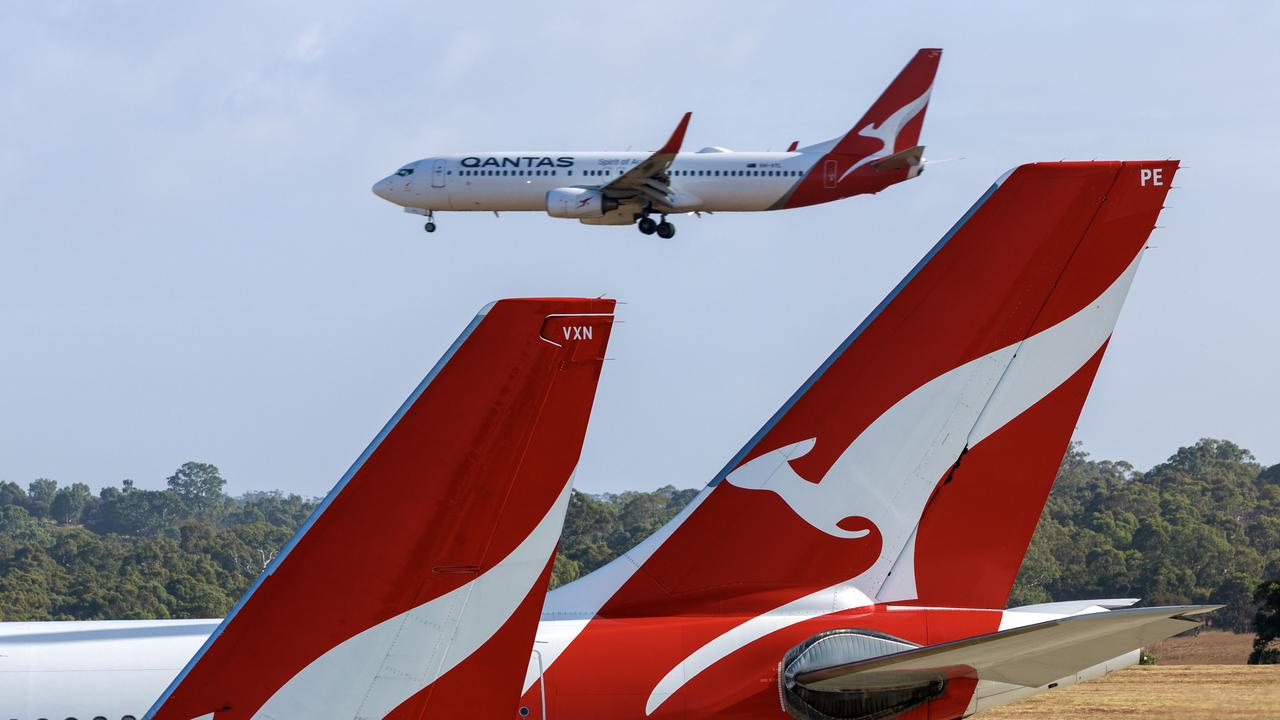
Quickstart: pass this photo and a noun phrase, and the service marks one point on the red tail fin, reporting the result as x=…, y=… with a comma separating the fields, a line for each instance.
x=849, y=165
x=949, y=409
x=892, y=124
x=415, y=587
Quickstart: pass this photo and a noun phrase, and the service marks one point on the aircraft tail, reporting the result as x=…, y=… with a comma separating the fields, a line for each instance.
x=913, y=465
x=882, y=149
x=414, y=589
x=894, y=121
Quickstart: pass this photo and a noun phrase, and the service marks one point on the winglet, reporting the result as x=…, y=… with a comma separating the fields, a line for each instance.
x=677, y=138
x=792, y=147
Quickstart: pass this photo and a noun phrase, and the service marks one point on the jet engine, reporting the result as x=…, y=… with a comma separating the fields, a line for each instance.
x=872, y=696
x=571, y=202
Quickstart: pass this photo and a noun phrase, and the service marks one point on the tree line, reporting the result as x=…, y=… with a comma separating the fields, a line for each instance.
x=1201, y=527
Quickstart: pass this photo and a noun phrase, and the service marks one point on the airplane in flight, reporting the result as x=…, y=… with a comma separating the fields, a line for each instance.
x=853, y=560
x=625, y=188
x=415, y=587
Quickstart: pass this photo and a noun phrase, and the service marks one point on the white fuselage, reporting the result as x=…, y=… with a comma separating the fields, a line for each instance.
x=712, y=180
x=117, y=669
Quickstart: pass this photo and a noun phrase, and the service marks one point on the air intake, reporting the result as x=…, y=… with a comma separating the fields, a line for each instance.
x=875, y=696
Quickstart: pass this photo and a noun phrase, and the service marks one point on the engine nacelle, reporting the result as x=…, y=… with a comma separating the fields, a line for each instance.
x=869, y=696
x=571, y=202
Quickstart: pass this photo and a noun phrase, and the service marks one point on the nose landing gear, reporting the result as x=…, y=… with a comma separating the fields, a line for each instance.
x=431, y=222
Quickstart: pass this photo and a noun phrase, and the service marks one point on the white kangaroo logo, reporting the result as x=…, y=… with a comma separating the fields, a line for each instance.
x=887, y=131
x=888, y=471
x=815, y=502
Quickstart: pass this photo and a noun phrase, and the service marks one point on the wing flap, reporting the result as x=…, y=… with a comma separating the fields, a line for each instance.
x=1031, y=656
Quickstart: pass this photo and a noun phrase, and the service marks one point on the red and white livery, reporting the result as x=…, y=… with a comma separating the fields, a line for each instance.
x=625, y=188
x=855, y=558
x=413, y=590
x=852, y=561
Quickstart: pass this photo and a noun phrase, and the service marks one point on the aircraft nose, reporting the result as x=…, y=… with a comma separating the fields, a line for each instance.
x=382, y=188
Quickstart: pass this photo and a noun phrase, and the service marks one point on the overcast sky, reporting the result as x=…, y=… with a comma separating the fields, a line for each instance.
x=192, y=266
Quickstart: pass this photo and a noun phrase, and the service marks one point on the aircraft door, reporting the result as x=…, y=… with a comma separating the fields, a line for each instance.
x=829, y=174
x=437, y=174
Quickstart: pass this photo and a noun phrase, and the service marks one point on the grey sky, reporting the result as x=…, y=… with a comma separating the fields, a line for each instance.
x=192, y=265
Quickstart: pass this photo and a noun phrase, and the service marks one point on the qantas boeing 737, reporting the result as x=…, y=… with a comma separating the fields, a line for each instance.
x=852, y=561
x=624, y=188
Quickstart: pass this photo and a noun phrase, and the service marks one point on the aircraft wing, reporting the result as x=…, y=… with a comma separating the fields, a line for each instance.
x=1031, y=655
x=648, y=180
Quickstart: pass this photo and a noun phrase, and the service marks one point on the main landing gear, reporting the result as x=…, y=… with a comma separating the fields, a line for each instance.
x=648, y=226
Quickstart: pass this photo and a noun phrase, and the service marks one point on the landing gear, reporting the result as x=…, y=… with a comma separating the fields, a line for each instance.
x=649, y=226
x=431, y=222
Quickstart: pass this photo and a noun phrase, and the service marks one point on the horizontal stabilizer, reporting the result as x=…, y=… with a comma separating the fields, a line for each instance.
x=1031, y=656
x=909, y=158
x=1071, y=607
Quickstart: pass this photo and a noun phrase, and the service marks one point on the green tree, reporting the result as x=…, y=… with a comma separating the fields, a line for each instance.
x=40, y=495
x=1267, y=622
x=198, y=485
x=69, y=502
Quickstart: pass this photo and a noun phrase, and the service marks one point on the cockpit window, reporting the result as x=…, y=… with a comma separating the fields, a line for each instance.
x=404, y=171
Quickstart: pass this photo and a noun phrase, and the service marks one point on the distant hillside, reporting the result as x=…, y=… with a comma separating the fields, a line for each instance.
x=1202, y=527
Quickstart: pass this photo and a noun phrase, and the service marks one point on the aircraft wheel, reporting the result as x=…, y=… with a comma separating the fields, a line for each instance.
x=666, y=230
x=429, y=227
x=648, y=226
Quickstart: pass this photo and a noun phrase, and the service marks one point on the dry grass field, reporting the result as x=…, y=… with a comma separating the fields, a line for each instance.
x=1197, y=678
x=1156, y=692
x=1207, y=648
